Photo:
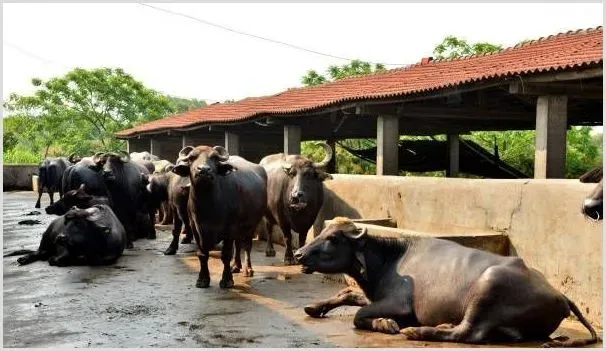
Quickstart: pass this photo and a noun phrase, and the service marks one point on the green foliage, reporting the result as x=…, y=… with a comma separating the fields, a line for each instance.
x=453, y=47
x=21, y=155
x=354, y=68
x=180, y=105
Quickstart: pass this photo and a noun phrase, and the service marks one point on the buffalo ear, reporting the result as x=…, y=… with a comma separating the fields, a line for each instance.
x=222, y=153
x=225, y=168
x=185, y=151
x=324, y=176
x=181, y=168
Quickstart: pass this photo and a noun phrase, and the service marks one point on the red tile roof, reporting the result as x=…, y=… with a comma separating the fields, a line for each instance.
x=557, y=52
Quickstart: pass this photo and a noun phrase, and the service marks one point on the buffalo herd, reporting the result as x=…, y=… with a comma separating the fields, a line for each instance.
x=424, y=288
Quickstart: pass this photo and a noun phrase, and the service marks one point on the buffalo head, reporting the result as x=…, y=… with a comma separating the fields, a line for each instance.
x=305, y=177
x=592, y=205
x=203, y=163
x=106, y=162
x=83, y=228
x=335, y=250
x=77, y=197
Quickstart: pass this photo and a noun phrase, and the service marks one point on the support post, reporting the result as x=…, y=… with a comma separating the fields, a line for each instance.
x=154, y=147
x=332, y=165
x=292, y=140
x=388, y=135
x=186, y=141
x=453, y=155
x=128, y=146
x=232, y=143
x=550, y=142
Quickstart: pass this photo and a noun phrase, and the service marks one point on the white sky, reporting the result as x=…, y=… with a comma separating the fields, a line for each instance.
x=182, y=57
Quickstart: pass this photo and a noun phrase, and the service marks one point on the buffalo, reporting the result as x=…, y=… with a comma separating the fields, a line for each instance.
x=592, y=205
x=165, y=213
x=172, y=189
x=437, y=290
x=295, y=193
x=49, y=177
x=227, y=199
x=126, y=183
x=92, y=236
x=143, y=156
x=84, y=173
x=76, y=198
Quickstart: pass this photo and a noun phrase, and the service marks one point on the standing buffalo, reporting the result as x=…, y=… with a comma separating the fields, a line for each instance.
x=143, y=156
x=49, y=177
x=84, y=173
x=437, y=290
x=592, y=205
x=126, y=183
x=165, y=213
x=76, y=198
x=226, y=202
x=92, y=236
x=295, y=194
x=172, y=189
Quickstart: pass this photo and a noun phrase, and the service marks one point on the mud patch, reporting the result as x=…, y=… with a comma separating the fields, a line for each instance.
x=131, y=311
x=29, y=222
x=33, y=213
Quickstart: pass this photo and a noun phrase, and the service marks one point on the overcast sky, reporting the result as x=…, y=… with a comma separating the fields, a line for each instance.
x=182, y=57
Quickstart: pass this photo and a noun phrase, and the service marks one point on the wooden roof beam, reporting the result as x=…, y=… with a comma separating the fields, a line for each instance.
x=579, y=91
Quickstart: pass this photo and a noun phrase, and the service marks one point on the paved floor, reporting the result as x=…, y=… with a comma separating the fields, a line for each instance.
x=149, y=300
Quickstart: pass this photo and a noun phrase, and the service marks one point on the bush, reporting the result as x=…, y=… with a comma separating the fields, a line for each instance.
x=20, y=155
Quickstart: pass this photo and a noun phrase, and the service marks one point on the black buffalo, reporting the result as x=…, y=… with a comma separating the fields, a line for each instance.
x=295, y=194
x=84, y=173
x=50, y=174
x=437, y=290
x=226, y=202
x=126, y=183
x=592, y=205
x=172, y=189
x=79, y=198
x=165, y=213
x=92, y=236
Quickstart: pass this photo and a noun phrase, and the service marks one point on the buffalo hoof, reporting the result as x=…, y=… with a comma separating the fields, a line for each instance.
x=171, y=250
x=270, y=252
x=235, y=269
x=385, y=325
x=248, y=272
x=203, y=283
x=315, y=311
x=53, y=261
x=290, y=261
x=226, y=284
x=37, y=206
x=445, y=326
x=186, y=240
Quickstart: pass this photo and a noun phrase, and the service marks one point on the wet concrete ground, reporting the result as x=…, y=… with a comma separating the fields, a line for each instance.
x=149, y=300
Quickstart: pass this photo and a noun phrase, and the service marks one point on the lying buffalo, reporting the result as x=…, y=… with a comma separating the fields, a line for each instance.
x=438, y=290
x=173, y=189
x=592, y=205
x=92, y=236
x=295, y=194
x=126, y=183
x=49, y=177
x=226, y=202
x=76, y=198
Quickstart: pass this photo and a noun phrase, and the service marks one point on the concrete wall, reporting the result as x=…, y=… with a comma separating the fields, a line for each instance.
x=18, y=177
x=541, y=218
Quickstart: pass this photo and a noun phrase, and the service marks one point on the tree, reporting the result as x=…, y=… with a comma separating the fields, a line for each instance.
x=81, y=111
x=180, y=105
x=354, y=68
x=453, y=47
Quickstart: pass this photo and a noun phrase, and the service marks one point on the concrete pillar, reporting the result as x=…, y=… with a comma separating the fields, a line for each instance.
x=388, y=136
x=550, y=142
x=186, y=141
x=128, y=146
x=292, y=140
x=332, y=165
x=453, y=155
x=232, y=143
x=155, y=147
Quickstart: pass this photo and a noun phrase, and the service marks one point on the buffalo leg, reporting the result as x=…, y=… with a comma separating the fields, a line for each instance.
x=237, y=266
x=174, y=244
x=60, y=260
x=227, y=280
x=160, y=214
x=289, y=258
x=187, y=231
x=247, y=244
x=151, y=228
x=51, y=194
x=166, y=209
x=269, y=250
x=203, y=250
x=302, y=238
x=39, y=197
x=346, y=297
x=383, y=316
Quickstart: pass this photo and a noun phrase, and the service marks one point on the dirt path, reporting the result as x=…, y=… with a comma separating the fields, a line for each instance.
x=149, y=300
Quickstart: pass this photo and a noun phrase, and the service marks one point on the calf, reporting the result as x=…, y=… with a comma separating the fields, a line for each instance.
x=173, y=189
x=226, y=202
x=438, y=290
x=49, y=177
x=78, y=198
x=592, y=205
x=92, y=236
